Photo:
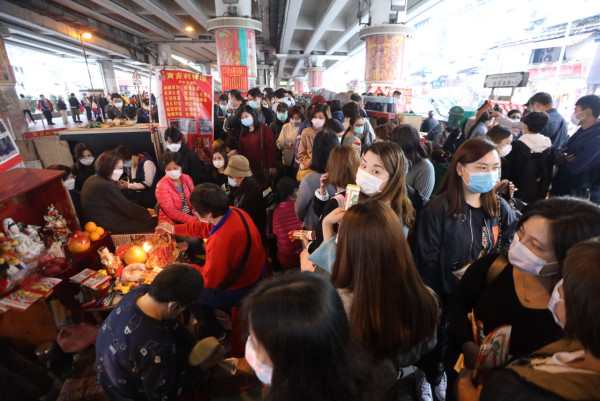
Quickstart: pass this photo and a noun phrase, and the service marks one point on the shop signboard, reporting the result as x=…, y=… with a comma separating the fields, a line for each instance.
x=508, y=80
x=188, y=104
x=576, y=70
x=234, y=77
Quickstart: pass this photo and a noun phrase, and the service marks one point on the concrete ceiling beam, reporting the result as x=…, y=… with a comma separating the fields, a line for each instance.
x=124, y=12
x=101, y=17
x=162, y=14
x=332, y=12
x=289, y=24
x=197, y=14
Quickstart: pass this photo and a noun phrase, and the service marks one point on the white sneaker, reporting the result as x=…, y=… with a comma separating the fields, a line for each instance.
x=423, y=388
x=440, y=389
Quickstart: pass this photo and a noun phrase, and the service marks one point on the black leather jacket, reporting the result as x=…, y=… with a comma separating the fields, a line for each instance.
x=446, y=243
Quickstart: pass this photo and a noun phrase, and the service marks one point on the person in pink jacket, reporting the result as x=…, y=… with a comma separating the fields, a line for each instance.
x=173, y=192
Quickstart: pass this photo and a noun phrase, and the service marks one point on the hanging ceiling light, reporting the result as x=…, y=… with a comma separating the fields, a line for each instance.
x=87, y=35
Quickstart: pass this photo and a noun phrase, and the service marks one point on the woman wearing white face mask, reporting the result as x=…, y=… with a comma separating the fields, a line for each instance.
x=118, y=109
x=315, y=334
x=84, y=164
x=245, y=191
x=319, y=113
x=190, y=162
x=173, y=192
x=516, y=290
x=69, y=183
x=104, y=203
x=217, y=169
x=568, y=369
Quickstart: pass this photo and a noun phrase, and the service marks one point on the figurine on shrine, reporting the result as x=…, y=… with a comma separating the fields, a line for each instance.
x=12, y=271
x=29, y=248
x=56, y=223
x=110, y=261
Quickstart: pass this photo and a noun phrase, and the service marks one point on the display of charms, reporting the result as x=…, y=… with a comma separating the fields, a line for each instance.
x=29, y=246
x=57, y=224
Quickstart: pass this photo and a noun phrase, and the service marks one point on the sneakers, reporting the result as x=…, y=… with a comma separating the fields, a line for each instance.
x=423, y=388
x=440, y=389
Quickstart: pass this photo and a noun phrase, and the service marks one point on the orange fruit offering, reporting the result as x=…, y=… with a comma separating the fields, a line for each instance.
x=135, y=254
x=100, y=231
x=90, y=226
x=94, y=236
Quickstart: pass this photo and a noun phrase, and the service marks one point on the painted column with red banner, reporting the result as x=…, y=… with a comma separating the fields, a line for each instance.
x=299, y=86
x=188, y=104
x=315, y=78
x=236, y=51
x=384, y=50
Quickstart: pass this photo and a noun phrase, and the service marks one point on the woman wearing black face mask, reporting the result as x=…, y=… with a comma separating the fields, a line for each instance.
x=287, y=139
x=516, y=290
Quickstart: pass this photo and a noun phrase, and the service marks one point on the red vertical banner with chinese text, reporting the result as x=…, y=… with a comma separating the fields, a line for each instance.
x=188, y=104
x=234, y=77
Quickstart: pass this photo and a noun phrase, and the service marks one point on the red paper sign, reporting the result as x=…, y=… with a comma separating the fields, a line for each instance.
x=188, y=103
x=234, y=77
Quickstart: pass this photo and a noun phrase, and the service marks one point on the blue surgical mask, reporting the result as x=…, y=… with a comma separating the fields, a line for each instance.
x=223, y=107
x=296, y=123
x=247, y=121
x=482, y=182
x=253, y=104
x=359, y=130
x=128, y=164
x=282, y=116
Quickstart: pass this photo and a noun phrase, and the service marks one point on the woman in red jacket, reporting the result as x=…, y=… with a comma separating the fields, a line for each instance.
x=173, y=192
x=257, y=143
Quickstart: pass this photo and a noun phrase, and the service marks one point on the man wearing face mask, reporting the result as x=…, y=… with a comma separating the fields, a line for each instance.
x=144, y=115
x=190, y=162
x=143, y=352
x=255, y=100
x=235, y=257
x=117, y=109
x=233, y=124
x=579, y=167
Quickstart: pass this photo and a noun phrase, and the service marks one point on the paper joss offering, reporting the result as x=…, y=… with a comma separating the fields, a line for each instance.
x=352, y=194
x=493, y=352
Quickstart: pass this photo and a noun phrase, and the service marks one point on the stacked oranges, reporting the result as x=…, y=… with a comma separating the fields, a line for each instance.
x=93, y=232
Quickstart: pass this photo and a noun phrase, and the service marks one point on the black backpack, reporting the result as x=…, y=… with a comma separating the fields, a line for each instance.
x=533, y=175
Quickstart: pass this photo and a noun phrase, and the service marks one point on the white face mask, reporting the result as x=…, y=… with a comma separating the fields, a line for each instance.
x=232, y=182
x=263, y=372
x=574, y=119
x=218, y=163
x=201, y=220
x=174, y=147
x=505, y=150
x=369, y=184
x=173, y=174
x=118, y=104
x=70, y=184
x=117, y=174
x=87, y=161
x=523, y=259
x=553, y=303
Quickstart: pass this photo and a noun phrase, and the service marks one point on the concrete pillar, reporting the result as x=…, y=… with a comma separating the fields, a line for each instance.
x=385, y=48
x=236, y=41
x=315, y=78
x=10, y=109
x=108, y=76
x=164, y=54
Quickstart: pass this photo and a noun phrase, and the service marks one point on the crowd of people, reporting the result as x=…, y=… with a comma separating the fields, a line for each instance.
x=139, y=108
x=452, y=230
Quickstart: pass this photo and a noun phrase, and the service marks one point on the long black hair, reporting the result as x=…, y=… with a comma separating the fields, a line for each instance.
x=323, y=144
x=255, y=122
x=300, y=322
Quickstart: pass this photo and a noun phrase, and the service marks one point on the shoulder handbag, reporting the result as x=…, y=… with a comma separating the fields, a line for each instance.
x=236, y=274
